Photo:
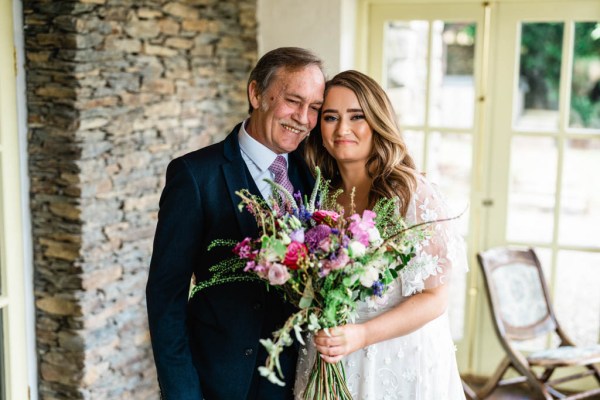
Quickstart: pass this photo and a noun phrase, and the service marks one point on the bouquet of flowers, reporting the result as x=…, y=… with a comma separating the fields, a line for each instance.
x=324, y=262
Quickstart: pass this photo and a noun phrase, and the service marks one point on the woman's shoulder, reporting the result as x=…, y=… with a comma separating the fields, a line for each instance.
x=426, y=189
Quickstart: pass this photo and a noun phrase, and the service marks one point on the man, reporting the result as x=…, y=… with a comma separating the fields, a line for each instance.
x=209, y=348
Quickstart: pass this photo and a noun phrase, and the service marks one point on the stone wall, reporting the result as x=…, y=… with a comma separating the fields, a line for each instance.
x=115, y=89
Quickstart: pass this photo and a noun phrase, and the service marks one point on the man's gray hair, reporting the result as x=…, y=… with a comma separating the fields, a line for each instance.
x=289, y=58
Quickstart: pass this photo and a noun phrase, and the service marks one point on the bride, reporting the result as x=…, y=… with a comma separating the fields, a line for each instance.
x=399, y=347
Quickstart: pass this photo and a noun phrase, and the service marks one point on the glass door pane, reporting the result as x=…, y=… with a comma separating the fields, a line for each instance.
x=576, y=295
x=531, y=196
x=585, y=84
x=406, y=69
x=452, y=93
x=536, y=105
x=580, y=198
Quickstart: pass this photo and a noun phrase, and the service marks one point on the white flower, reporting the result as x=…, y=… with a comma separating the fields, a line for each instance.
x=285, y=239
x=374, y=237
x=376, y=302
x=294, y=222
x=369, y=276
x=356, y=249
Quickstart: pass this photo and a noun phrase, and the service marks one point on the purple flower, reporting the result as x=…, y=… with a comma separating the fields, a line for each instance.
x=377, y=288
x=303, y=214
x=313, y=236
x=297, y=236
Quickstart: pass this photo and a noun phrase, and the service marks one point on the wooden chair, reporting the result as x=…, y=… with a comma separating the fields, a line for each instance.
x=469, y=392
x=522, y=310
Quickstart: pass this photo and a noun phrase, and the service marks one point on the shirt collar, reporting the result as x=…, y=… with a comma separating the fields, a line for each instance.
x=260, y=154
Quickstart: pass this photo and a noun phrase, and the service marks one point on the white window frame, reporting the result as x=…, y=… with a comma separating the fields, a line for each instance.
x=12, y=256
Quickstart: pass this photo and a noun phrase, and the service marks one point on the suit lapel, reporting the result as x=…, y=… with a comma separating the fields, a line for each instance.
x=237, y=178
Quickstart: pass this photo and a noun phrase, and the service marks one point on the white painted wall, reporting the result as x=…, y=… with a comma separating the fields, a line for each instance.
x=327, y=27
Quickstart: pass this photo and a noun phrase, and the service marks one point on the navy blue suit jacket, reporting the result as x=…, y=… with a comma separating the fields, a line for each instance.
x=208, y=348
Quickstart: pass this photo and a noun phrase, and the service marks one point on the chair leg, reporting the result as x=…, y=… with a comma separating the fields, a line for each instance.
x=538, y=387
x=491, y=384
x=546, y=374
x=469, y=392
x=592, y=367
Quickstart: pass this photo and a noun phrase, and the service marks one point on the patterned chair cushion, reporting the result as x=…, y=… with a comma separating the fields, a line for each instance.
x=566, y=355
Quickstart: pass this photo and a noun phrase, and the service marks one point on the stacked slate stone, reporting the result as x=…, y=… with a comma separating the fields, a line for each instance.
x=116, y=89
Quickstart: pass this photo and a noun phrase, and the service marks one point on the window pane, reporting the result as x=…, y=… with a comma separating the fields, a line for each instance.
x=536, y=105
x=414, y=142
x=405, y=61
x=585, y=84
x=580, y=198
x=449, y=166
x=545, y=257
x=531, y=196
x=577, y=298
x=452, y=95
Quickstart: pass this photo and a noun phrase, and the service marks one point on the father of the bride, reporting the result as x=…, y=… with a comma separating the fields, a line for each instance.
x=208, y=348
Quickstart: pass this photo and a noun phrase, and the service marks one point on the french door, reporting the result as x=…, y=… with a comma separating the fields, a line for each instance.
x=545, y=133
x=500, y=105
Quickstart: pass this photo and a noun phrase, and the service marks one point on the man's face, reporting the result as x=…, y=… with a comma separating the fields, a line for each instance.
x=288, y=109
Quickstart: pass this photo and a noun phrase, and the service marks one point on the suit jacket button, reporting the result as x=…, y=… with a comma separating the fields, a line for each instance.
x=248, y=352
x=257, y=306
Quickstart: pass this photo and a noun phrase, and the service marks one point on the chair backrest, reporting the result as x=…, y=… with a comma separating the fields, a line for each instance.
x=517, y=293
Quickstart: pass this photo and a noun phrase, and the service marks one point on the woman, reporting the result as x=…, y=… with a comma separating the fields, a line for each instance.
x=401, y=349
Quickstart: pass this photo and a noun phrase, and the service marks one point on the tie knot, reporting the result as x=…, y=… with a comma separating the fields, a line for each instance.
x=279, y=166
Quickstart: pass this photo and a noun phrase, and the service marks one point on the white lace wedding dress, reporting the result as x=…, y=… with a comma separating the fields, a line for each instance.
x=420, y=365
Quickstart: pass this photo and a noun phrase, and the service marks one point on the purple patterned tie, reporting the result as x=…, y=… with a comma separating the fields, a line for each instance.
x=279, y=168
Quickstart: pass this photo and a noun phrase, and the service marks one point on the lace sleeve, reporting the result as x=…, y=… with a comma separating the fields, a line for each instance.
x=439, y=255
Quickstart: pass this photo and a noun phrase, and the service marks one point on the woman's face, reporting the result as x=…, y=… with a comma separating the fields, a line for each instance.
x=346, y=134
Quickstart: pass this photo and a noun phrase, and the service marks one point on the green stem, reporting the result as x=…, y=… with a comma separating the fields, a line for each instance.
x=327, y=382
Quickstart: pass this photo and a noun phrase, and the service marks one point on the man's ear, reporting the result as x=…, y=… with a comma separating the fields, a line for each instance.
x=253, y=95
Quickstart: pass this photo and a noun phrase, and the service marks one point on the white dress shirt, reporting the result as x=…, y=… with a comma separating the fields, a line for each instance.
x=258, y=158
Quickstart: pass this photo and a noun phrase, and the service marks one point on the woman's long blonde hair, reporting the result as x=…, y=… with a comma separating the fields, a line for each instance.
x=390, y=166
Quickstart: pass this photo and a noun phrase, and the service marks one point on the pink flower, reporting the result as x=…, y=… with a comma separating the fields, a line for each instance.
x=359, y=227
x=338, y=262
x=243, y=249
x=278, y=274
x=295, y=252
x=250, y=266
x=326, y=217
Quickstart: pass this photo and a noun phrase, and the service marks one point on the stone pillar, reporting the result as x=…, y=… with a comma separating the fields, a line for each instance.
x=115, y=90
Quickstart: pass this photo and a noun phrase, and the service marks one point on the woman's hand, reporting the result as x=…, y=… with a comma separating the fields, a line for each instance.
x=342, y=340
